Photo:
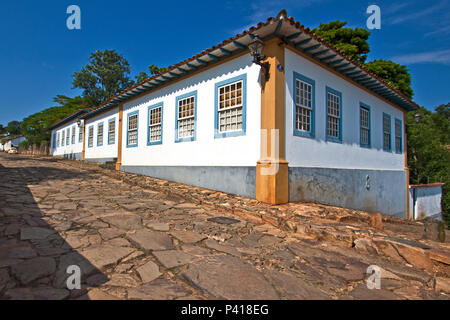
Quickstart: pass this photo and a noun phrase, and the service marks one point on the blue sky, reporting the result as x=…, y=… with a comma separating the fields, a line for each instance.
x=39, y=54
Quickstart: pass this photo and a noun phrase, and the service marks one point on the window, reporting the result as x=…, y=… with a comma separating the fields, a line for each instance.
x=54, y=140
x=68, y=137
x=304, y=102
x=73, y=135
x=334, y=110
x=58, y=139
x=81, y=133
x=185, y=117
x=91, y=136
x=364, y=125
x=154, y=135
x=398, y=136
x=230, y=107
x=132, y=133
x=100, y=134
x=386, y=132
x=112, y=131
x=63, y=137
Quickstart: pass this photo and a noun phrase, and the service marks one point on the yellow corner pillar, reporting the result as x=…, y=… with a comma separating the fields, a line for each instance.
x=119, y=142
x=272, y=172
x=83, y=152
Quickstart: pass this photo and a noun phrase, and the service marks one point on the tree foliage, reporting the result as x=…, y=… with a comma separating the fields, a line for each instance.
x=429, y=150
x=153, y=69
x=34, y=127
x=13, y=128
x=106, y=74
x=351, y=41
x=395, y=74
x=354, y=43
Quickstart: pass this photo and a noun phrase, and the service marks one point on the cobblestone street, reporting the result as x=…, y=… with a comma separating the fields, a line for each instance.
x=142, y=238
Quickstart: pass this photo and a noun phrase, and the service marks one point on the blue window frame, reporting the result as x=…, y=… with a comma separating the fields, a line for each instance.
x=91, y=137
x=100, y=129
x=73, y=135
x=81, y=133
x=398, y=136
x=112, y=131
x=132, y=129
x=304, y=105
x=186, y=117
x=63, y=138
x=334, y=115
x=364, y=125
x=155, y=124
x=387, y=144
x=230, y=107
x=53, y=140
x=68, y=137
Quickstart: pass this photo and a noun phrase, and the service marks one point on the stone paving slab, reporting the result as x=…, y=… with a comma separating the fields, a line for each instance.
x=136, y=237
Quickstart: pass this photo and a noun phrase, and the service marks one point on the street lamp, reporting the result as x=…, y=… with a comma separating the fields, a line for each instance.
x=417, y=117
x=256, y=47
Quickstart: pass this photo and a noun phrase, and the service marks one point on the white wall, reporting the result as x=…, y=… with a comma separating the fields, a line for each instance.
x=106, y=151
x=75, y=148
x=205, y=150
x=317, y=152
x=425, y=201
x=7, y=146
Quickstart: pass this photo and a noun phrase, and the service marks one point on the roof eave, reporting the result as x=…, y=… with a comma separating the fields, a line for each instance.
x=283, y=27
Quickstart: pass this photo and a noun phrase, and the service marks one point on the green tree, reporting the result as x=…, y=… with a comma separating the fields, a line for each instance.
x=441, y=118
x=142, y=76
x=395, y=74
x=34, y=127
x=153, y=69
x=105, y=75
x=13, y=128
x=428, y=152
x=444, y=110
x=351, y=41
x=354, y=43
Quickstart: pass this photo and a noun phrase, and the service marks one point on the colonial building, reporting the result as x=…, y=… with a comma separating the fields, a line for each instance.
x=274, y=113
x=9, y=142
x=67, y=138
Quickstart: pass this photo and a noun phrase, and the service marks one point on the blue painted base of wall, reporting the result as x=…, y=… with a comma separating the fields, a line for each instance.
x=386, y=192
x=72, y=156
x=100, y=160
x=235, y=180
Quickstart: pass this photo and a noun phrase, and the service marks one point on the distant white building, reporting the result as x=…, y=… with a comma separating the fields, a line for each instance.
x=12, y=142
x=296, y=121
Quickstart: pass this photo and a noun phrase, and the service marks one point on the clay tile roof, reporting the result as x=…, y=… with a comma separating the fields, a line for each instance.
x=286, y=27
x=72, y=116
x=435, y=184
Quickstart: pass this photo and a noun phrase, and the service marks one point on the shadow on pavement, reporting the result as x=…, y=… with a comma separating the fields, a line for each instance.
x=33, y=256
